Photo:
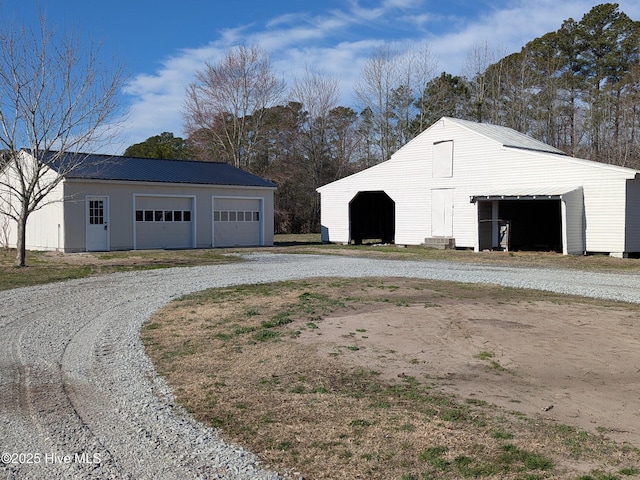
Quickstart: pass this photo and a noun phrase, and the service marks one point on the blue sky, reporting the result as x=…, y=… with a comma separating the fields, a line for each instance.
x=163, y=43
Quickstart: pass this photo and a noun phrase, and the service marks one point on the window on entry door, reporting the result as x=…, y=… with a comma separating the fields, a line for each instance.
x=96, y=212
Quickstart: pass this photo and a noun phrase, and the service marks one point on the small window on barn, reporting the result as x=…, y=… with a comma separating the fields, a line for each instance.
x=148, y=215
x=158, y=216
x=168, y=216
x=224, y=216
x=139, y=215
x=443, y=159
x=241, y=216
x=232, y=216
x=247, y=216
x=256, y=216
x=177, y=215
x=186, y=216
x=216, y=216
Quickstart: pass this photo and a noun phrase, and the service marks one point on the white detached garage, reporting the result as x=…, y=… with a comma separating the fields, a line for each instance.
x=482, y=186
x=124, y=203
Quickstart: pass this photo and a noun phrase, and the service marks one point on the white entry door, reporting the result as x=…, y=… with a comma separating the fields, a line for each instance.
x=97, y=224
x=442, y=212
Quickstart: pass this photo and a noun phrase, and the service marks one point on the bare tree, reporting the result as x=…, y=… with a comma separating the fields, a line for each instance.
x=417, y=69
x=484, y=87
x=54, y=96
x=228, y=102
x=318, y=94
x=375, y=89
x=390, y=83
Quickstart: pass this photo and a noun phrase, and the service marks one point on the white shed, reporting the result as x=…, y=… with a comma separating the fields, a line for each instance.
x=125, y=203
x=481, y=186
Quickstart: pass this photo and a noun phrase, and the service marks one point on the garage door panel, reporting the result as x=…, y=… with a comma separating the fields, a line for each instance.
x=161, y=235
x=164, y=222
x=237, y=222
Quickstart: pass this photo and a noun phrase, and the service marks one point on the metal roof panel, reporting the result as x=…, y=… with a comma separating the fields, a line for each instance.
x=134, y=169
x=508, y=137
x=532, y=192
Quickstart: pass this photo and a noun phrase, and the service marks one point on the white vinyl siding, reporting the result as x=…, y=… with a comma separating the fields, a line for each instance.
x=45, y=226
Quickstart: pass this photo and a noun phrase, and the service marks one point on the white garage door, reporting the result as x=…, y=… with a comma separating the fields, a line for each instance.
x=163, y=222
x=237, y=222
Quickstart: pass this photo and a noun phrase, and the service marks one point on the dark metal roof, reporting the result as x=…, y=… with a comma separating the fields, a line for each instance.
x=133, y=169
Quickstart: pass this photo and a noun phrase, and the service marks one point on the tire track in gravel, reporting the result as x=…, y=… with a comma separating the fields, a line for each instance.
x=71, y=388
x=55, y=428
x=14, y=394
x=75, y=380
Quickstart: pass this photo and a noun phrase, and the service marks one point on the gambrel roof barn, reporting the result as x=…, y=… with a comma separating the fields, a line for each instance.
x=481, y=186
x=123, y=203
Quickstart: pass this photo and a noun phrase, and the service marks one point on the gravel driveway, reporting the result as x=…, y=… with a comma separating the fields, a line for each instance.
x=79, y=399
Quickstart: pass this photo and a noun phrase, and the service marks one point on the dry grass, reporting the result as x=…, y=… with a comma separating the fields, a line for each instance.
x=47, y=267
x=234, y=361
x=311, y=244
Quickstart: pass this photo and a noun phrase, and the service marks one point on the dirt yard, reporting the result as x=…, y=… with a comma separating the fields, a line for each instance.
x=576, y=364
x=529, y=371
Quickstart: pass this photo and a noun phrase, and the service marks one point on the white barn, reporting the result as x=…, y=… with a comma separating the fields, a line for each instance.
x=481, y=186
x=125, y=203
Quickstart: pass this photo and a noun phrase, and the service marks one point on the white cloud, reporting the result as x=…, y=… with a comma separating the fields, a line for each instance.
x=337, y=42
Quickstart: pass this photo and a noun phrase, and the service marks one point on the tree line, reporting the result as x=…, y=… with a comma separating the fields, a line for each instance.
x=577, y=89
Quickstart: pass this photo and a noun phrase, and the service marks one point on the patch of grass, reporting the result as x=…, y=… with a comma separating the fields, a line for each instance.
x=599, y=476
x=501, y=435
x=278, y=320
x=493, y=364
x=629, y=471
x=496, y=366
x=484, y=355
x=266, y=335
x=532, y=461
x=222, y=336
x=238, y=331
x=469, y=467
x=475, y=401
x=434, y=456
x=360, y=423
x=314, y=303
x=49, y=267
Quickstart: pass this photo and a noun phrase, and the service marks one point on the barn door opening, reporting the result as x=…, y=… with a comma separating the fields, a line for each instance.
x=372, y=218
x=531, y=225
